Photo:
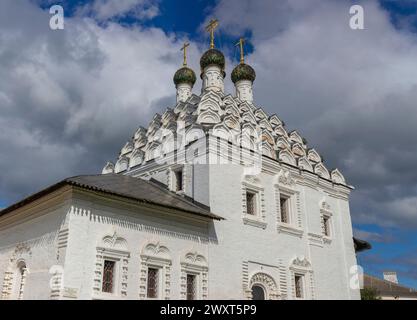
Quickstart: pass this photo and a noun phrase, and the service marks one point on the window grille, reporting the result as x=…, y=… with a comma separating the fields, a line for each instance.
x=152, y=283
x=108, y=276
x=191, y=287
x=250, y=203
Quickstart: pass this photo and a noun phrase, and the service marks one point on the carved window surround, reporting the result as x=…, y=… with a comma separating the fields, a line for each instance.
x=17, y=263
x=155, y=255
x=186, y=177
x=113, y=248
x=326, y=212
x=265, y=281
x=302, y=267
x=259, y=219
x=294, y=226
x=195, y=264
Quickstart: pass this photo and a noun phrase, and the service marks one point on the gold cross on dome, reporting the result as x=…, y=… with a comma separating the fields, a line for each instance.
x=240, y=43
x=184, y=48
x=213, y=24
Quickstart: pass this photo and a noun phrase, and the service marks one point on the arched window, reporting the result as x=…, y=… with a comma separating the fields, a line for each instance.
x=262, y=287
x=258, y=292
x=19, y=285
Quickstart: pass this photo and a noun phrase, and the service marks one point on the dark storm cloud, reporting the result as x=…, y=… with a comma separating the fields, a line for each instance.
x=70, y=99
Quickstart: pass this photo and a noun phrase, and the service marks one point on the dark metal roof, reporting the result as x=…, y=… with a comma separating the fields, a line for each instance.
x=387, y=288
x=128, y=187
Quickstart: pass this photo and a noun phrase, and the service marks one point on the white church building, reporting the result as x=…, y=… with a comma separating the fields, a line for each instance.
x=215, y=199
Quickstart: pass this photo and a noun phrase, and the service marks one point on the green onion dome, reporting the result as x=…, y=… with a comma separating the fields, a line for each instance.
x=243, y=72
x=212, y=57
x=185, y=75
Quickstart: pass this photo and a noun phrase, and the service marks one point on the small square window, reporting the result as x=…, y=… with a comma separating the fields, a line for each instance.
x=191, y=286
x=298, y=283
x=153, y=280
x=326, y=226
x=108, y=276
x=284, y=207
x=251, y=203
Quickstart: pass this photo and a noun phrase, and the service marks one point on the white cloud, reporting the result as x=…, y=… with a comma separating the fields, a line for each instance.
x=107, y=9
x=69, y=99
x=372, y=236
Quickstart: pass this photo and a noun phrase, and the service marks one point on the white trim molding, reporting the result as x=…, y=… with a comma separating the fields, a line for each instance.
x=155, y=255
x=302, y=267
x=112, y=248
x=196, y=264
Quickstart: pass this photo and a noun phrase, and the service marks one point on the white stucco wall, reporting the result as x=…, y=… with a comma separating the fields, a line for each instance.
x=33, y=241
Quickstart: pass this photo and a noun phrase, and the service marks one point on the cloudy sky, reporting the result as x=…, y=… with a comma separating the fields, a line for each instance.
x=69, y=99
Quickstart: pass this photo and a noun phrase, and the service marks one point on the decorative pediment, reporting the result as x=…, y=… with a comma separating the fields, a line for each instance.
x=245, y=107
x=298, y=150
x=251, y=179
x=304, y=164
x=231, y=122
x=156, y=250
x=114, y=242
x=121, y=165
x=108, y=168
x=153, y=127
x=248, y=117
x=128, y=147
x=260, y=114
x=275, y=121
x=168, y=116
x=137, y=157
x=21, y=251
x=213, y=96
x=249, y=129
x=152, y=150
x=264, y=124
x=324, y=206
x=209, y=117
x=337, y=176
x=169, y=128
x=284, y=177
x=295, y=137
x=301, y=263
x=194, y=258
x=230, y=101
x=194, y=132
x=279, y=130
x=211, y=102
x=321, y=170
x=232, y=110
x=247, y=141
x=283, y=144
x=179, y=107
x=266, y=136
x=287, y=157
x=140, y=133
x=268, y=150
x=222, y=131
x=141, y=142
x=313, y=155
